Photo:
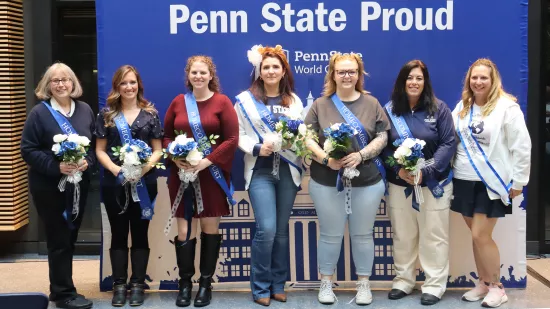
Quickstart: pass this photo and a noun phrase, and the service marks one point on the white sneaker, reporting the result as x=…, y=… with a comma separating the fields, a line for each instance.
x=495, y=297
x=326, y=295
x=364, y=295
x=476, y=293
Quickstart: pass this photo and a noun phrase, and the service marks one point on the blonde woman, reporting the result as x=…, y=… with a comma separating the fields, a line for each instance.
x=490, y=169
x=344, y=100
x=127, y=107
x=58, y=113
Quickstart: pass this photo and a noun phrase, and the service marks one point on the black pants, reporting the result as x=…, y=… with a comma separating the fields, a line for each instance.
x=50, y=205
x=130, y=221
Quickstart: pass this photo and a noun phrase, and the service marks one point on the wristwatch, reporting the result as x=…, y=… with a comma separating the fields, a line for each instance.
x=325, y=160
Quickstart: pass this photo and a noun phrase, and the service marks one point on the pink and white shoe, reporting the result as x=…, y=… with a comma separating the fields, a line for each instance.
x=495, y=297
x=476, y=293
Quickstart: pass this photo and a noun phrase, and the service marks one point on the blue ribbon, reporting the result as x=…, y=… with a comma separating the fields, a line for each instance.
x=506, y=187
x=362, y=138
x=147, y=206
x=270, y=120
x=66, y=128
x=404, y=132
x=203, y=141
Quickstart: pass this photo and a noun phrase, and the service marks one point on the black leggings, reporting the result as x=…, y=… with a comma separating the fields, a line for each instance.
x=130, y=221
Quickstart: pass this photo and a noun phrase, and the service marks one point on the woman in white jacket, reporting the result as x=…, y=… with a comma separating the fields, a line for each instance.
x=490, y=169
x=272, y=178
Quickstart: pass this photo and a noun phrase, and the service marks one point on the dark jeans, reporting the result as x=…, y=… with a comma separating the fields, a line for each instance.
x=50, y=205
x=130, y=221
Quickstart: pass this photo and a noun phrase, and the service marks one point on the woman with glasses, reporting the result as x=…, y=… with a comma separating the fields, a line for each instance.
x=420, y=231
x=345, y=101
x=58, y=113
x=127, y=109
x=272, y=179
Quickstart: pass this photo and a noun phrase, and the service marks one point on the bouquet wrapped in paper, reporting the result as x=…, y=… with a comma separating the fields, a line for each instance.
x=409, y=156
x=71, y=149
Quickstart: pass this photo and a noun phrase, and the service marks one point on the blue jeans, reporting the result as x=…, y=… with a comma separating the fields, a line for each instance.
x=272, y=202
x=332, y=216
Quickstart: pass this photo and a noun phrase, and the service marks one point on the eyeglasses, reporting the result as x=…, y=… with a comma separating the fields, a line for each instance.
x=65, y=81
x=343, y=73
x=126, y=84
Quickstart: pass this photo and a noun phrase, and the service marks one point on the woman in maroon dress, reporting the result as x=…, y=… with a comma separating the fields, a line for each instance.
x=217, y=117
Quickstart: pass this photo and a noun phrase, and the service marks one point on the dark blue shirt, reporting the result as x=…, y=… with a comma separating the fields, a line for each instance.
x=437, y=131
x=37, y=141
x=274, y=105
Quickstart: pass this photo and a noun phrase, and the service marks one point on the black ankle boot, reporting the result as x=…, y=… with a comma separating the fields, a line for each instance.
x=119, y=264
x=140, y=259
x=210, y=249
x=185, y=256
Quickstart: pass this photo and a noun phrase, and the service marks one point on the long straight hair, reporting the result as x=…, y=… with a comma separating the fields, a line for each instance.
x=399, y=97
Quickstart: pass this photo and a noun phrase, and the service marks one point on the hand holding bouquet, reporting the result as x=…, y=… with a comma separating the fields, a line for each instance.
x=133, y=155
x=409, y=156
x=71, y=149
x=295, y=132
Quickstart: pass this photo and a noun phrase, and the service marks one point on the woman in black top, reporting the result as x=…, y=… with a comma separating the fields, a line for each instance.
x=126, y=99
x=57, y=88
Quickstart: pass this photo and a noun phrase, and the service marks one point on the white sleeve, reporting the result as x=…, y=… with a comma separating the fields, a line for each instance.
x=519, y=144
x=246, y=143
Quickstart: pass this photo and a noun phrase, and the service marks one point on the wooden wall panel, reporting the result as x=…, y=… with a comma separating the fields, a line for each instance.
x=14, y=204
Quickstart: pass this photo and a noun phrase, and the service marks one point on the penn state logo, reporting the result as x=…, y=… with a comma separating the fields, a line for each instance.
x=477, y=127
x=147, y=213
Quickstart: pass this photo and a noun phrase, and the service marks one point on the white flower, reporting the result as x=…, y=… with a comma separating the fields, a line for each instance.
x=302, y=129
x=75, y=138
x=182, y=139
x=56, y=148
x=335, y=126
x=194, y=156
x=135, y=148
x=293, y=112
x=172, y=146
x=409, y=143
x=402, y=152
x=254, y=55
x=278, y=126
x=327, y=146
x=131, y=158
x=421, y=142
x=84, y=141
x=58, y=138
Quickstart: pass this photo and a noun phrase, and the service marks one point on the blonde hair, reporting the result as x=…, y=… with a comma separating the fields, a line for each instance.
x=495, y=93
x=113, y=100
x=214, y=84
x=43, y=90
x=329, y=87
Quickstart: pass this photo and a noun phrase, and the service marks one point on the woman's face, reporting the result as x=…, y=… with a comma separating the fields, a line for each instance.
x=199, y=75
x=271, y=71
x=414, y=84
x=480, y=81
x=346, y=74
x=61, y=85
x=128, y=87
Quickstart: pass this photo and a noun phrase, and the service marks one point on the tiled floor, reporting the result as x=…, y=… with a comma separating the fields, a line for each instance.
x=31, y=275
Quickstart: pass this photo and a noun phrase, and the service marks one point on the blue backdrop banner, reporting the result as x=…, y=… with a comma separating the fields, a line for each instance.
x=158, y=36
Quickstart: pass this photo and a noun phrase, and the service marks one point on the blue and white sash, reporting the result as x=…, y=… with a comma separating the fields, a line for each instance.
x=204, y=143
x=479, y=161
x=249, y=106
x=73, y=209
x=362, y=135
x=404, y=132
x=139, y=190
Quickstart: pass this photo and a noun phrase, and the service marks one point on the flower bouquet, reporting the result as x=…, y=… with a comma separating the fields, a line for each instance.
x=71, y=149
x=409, y=156
x=295, y=132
